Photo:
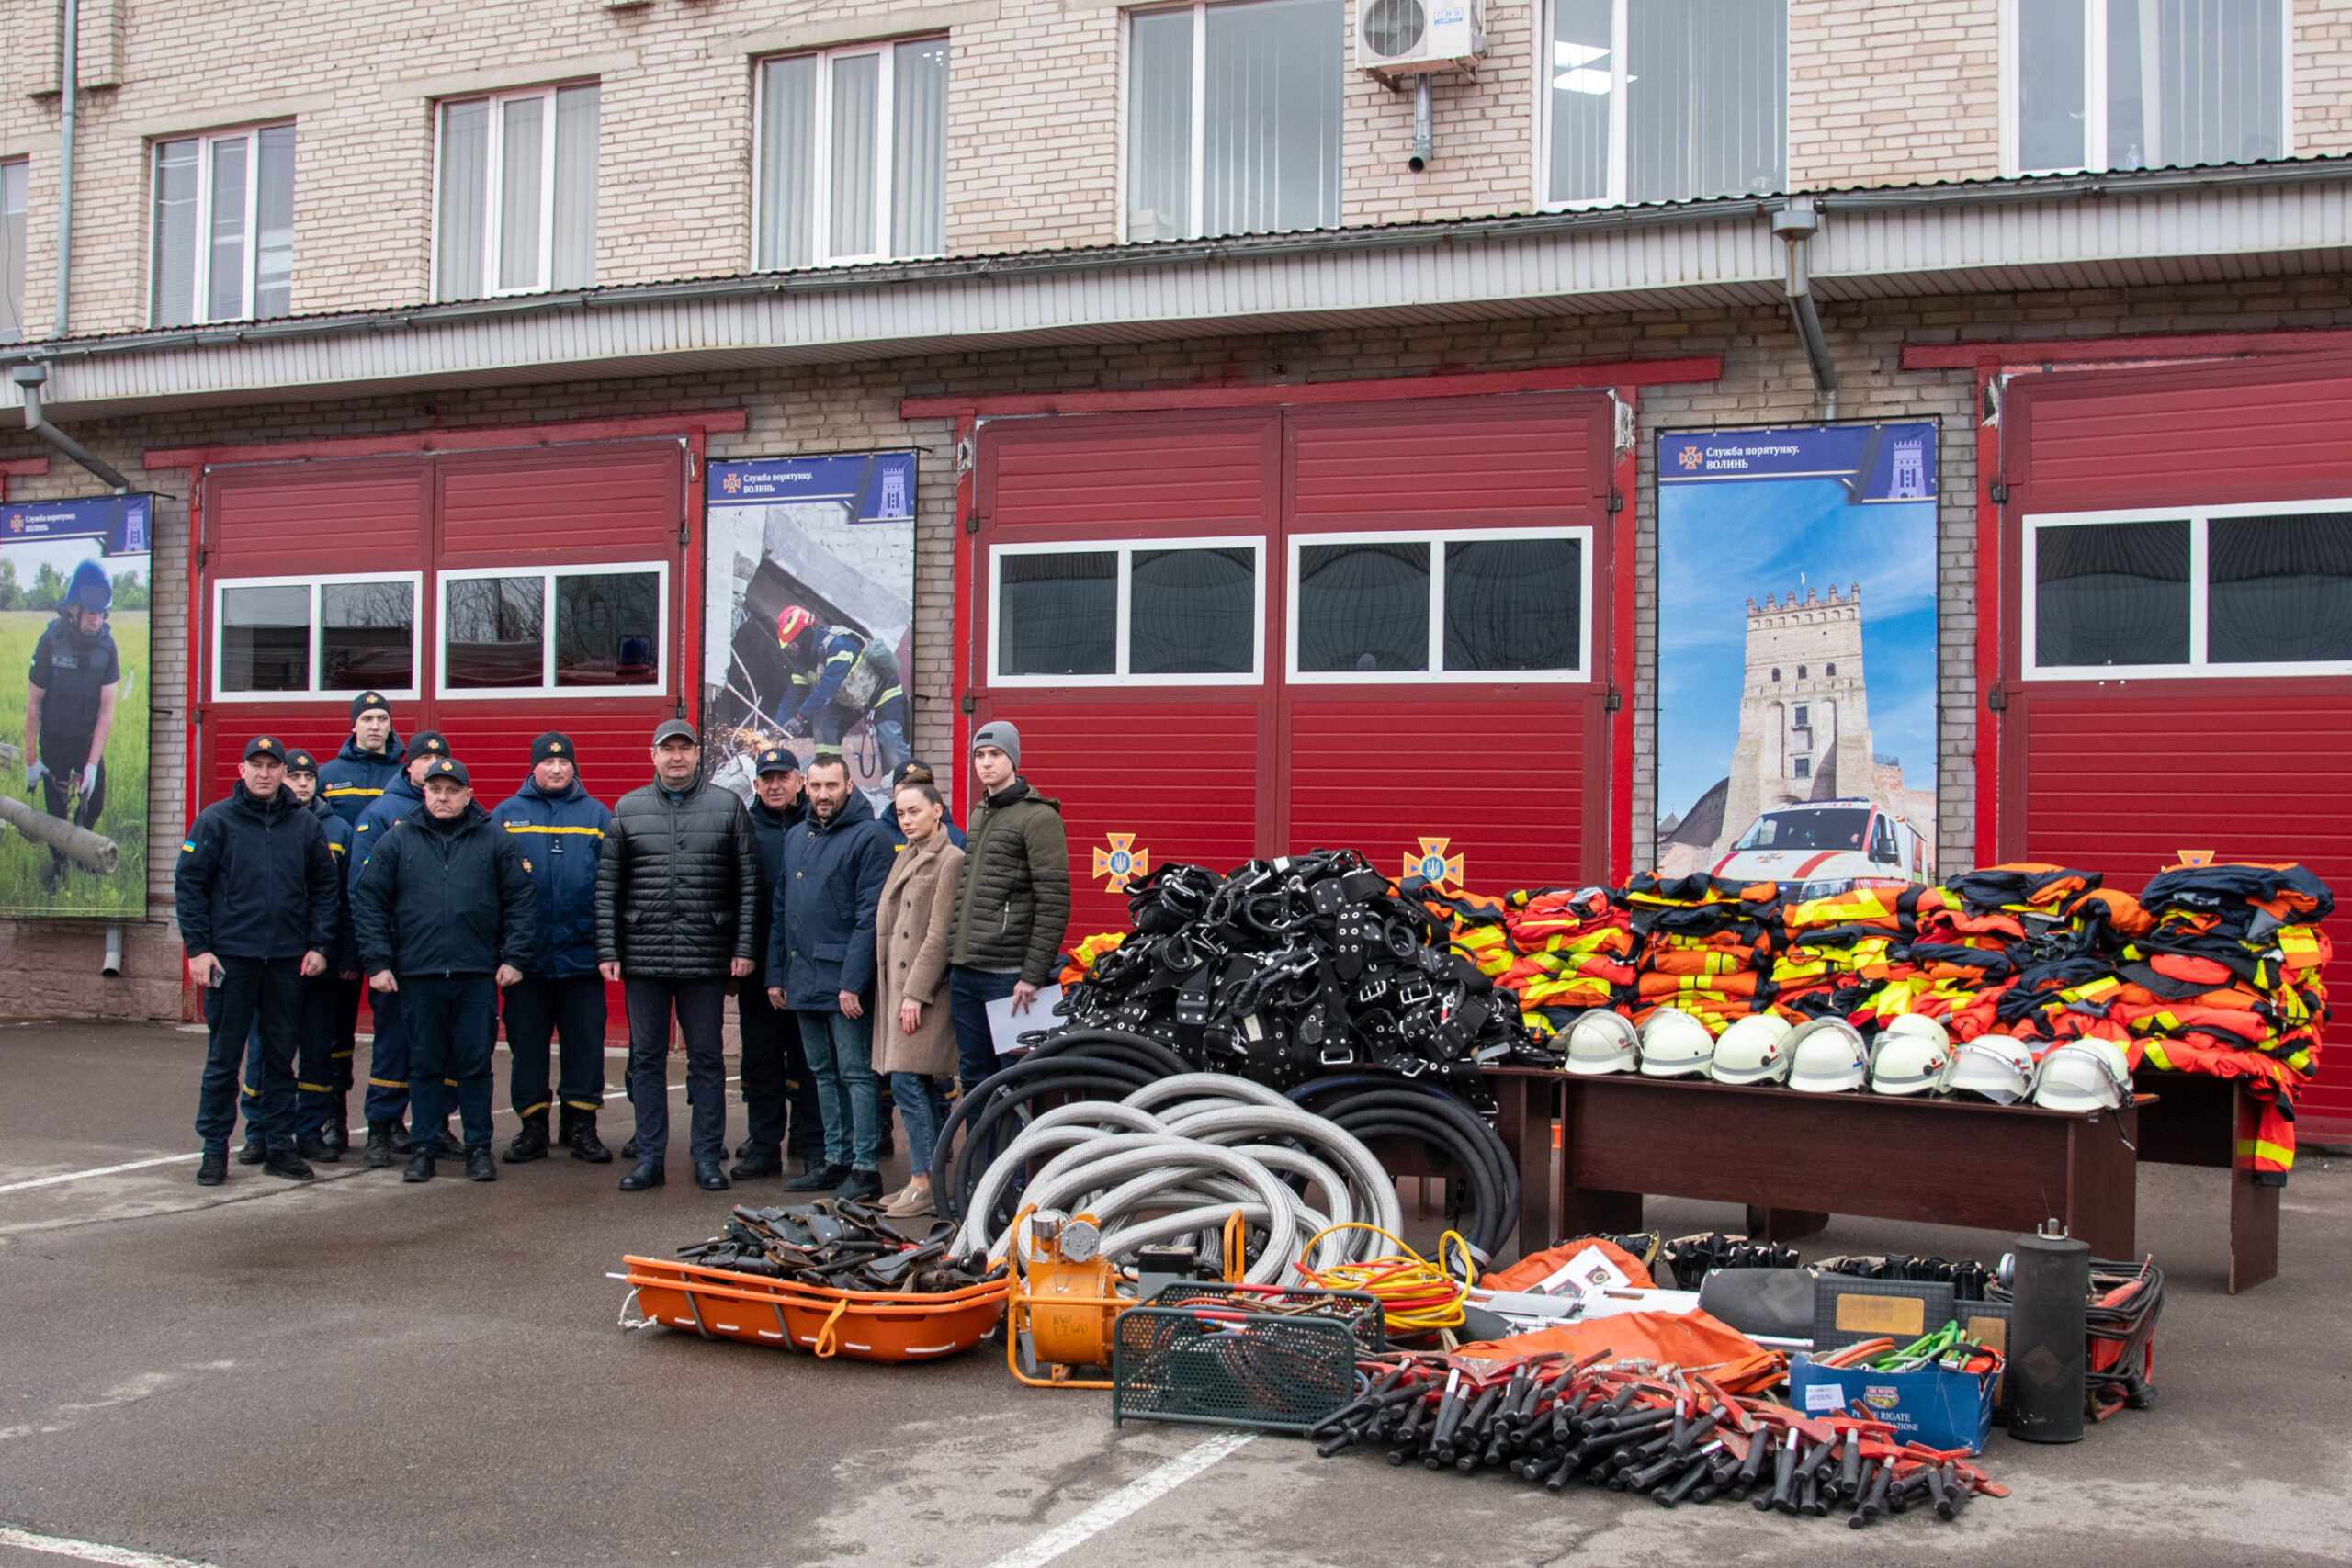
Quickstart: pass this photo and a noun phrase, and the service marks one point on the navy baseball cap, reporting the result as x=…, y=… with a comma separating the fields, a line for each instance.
x=449, y=768
x=263, y=746
x=777, y=760
x=300, y=762
x=429, y=743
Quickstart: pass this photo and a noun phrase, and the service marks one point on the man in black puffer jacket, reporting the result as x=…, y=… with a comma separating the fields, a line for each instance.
x=447, y=915
x=256, y=895
x=676, y=896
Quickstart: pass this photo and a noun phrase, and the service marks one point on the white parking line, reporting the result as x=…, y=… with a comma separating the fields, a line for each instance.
x=170, y=1159
x=1108, y=1511
x=90, y=1551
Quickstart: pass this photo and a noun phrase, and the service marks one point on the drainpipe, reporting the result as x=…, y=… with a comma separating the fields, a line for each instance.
x=1795, y=224
x=1424, y=147
x=69, y=73
x=30, y=380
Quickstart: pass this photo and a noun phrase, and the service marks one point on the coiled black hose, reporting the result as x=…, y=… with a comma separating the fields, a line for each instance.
x=1376, y=1106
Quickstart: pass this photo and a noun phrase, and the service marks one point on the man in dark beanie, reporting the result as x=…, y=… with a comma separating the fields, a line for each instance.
x=560, y=829
x=1013, y=903
x=387, y=1065
x=446, y=915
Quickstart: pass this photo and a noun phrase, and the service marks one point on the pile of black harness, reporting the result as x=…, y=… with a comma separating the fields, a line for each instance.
x=1289, y=967
x=839, y=1245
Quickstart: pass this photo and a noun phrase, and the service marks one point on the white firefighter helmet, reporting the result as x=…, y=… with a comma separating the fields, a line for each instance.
x=1755, y=1049
x=1603, y=1042
x=2083, y=1075
x=1675, y=1046
x=1918, y=1023
x=1908, y=1061
x=1828, y=1055
x=1997, y=1068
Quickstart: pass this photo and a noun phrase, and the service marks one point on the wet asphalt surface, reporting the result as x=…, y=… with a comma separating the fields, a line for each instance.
x=363, y=1372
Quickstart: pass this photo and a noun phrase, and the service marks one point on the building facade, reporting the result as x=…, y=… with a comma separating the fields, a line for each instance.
x=383, y=302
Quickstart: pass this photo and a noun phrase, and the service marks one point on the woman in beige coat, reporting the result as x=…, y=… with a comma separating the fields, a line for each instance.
x=914, y=1041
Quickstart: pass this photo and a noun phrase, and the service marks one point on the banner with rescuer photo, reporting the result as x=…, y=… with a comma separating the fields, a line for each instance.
x=73, y=612
x=809, y=613
x=1797, y=656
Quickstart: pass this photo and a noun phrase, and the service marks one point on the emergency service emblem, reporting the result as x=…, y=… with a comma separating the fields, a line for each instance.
x=1122, y=862
x=1434, y=864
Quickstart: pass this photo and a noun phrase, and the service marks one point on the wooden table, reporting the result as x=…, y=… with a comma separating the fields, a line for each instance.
x=1796, y=1158
x=1528, y=1100
x=2207, y=1122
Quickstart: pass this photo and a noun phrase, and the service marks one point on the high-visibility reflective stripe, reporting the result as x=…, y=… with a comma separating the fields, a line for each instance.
x=585, y=1104
x=351, y=789
x=2254, y=1148
x=314, y=1088
x=842, y=659
x=388, y=1083
x=893, y=692
x=535, y=827
x=529, y=1109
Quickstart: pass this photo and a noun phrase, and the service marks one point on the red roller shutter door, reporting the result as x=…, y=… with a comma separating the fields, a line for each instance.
x=1513, y=773
x=2121, y=776
x=554, y=505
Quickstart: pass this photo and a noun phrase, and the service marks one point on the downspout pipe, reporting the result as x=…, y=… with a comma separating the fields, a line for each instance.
x=69, y=81
x=1795, y=224
x=29, y=379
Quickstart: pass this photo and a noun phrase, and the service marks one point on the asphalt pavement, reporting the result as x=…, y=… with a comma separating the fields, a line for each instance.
x=358, y=1372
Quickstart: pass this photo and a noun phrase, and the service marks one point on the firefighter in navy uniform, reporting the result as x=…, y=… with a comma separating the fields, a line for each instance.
x=560, y=828
x=387, y=1075
x=838, y=678
x=257, y=904
x=349, y=782
x=69, y=707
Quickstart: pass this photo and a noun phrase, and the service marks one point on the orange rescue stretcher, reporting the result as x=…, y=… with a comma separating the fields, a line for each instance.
x=865, y=1325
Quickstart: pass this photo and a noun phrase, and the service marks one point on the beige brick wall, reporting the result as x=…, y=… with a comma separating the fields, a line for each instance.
x=1893, y=92
x=1880, y=92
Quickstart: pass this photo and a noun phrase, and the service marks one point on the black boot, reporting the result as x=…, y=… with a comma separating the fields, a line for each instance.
x=531, y=1142
x=213, y=1168
x=420, y=1166
x=751, y=1163
x=581, y=1138
x=379, y=1151
x=628, y=1149
x=818, y=1177
x=335, y=1133
x=400, y=1136
x=445, y=1145
x=317, y=1149
x=288, y=1163
x=647, y=1174
x=709, y=1177
x=479, y=1167
x=253, y=1151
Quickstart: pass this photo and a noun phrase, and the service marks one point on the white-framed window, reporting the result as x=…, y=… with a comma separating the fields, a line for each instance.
x=2101, y=85
x=2255, y=589
x=1663, y=100
x=851, y=156
x=221, y=244
x=1512, y=604
x=1188, y=611
x=538, y=631
x=515, y=193
x=291, y=638
x=14, y=176
x=1234, y=118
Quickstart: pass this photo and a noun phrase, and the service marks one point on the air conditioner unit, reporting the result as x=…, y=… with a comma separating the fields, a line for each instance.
x=1403, y=37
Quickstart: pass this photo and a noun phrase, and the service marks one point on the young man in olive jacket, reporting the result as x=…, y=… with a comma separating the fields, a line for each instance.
x=256, y=898
x=674, y=921
x=1012, y=905
x=446, y=914
x=560, y=828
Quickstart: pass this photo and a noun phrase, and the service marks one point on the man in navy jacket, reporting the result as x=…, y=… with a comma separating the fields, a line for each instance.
x=821, y=965
x=257, y=899
x=446, y=915
x=559, y=828
x=350, y=781
x=388, y=1065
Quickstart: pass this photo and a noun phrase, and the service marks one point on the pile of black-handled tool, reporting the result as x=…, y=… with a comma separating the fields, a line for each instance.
x=1686, y=1260
x=1286, y=968
x=1674, y=1437
x=839, y=1245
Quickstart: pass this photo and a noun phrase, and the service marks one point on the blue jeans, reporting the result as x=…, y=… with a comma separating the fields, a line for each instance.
x=849, y=1097
x=922, y=1108
x=969, y=993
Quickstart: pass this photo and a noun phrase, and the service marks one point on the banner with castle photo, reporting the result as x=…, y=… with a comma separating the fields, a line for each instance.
x=1796, y=655
x=809, y=614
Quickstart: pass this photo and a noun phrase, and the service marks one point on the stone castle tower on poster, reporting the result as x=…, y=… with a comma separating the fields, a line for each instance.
x=1805, y=713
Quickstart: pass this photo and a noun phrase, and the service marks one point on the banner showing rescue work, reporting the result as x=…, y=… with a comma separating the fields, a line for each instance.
x=809, y=604
x=74, y=682
x=1796, y=655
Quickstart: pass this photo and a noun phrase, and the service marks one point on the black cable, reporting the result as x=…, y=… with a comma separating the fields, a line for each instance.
x=1014, y=1085
x=1445, y=1123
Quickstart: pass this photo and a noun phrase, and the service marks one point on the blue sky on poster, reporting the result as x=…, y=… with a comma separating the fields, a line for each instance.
x=1723, y=544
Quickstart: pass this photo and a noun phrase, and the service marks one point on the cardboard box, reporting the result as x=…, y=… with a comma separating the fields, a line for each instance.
x=1942, y=1409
